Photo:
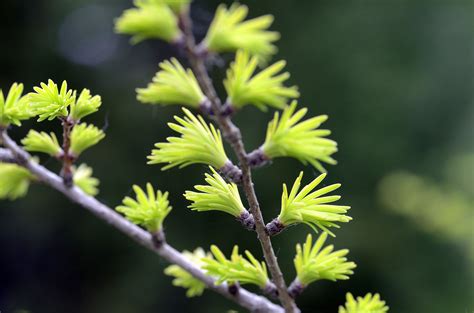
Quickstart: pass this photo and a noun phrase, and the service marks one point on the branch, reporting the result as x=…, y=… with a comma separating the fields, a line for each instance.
x=244, y=298
x=233, y=136
x=6, y=156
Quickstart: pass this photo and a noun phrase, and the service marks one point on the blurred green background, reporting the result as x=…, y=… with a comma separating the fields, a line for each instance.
x=396, y=78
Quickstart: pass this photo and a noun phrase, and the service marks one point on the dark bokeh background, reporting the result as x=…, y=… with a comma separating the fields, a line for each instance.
x=396, y=79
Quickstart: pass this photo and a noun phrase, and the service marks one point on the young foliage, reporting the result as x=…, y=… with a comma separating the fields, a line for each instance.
x=86, y=104
x=42, y=142
x=48, y=102
x=14, y=108
x=184, y=279
x=177, y=5
x=14, y=181
x=82, y=178
x=218, y=195
x=261, y=90
x=149, y=19
x=288, y=137
x=84, y=136
x=308, y=207
x=148, y=210
x=229, y=32
x=199, y=143
x=368, y=304
x=237, y=268
x=314, y=263
x=172, y=85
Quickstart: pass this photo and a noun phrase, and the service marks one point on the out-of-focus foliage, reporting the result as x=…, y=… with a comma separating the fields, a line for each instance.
x=149, y=19
x=13, y=106
x=443, y=208
x=14, y=181
x=368, y=304
x=183, y=279
x=82, y=177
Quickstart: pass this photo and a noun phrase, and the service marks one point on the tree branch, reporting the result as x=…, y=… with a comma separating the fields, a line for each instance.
x=6, y=156
x=233, y=136
x=244, y=298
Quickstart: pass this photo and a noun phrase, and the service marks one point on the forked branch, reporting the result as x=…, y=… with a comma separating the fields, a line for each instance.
x=15, y=154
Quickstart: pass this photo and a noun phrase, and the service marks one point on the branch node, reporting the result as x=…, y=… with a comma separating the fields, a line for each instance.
x=233, y=288
x=247, y=220
x=158, y=238
x=227, y=110
x=271, y=290
x=231, y=172
x=257, y=158
x=296, y=288
x=274, y=227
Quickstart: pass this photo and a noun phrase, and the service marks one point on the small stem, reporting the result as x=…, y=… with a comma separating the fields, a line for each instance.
x=67, y=158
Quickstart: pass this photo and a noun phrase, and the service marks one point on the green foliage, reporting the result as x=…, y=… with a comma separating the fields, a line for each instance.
x=82, y=178
x=42, y=142
x=263, y=89
x=308, y=207
x=424, y=202
x=49, y=103
x=199, y=143
x=14, y=181
x=218, y=195
x=14, y=108
x=368, y=304
x=149, y=19
x=229, y=32
x=85, y=105
x=84, y=136
x=172, y=85
x=148, y=210
x=288, y=137
x=184, y=279
x=237, y=268
x=313, y=263
x=177, y=5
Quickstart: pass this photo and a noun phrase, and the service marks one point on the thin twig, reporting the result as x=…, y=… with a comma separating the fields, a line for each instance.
x=244, y=298
x=67, y=159
x=233, y=136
